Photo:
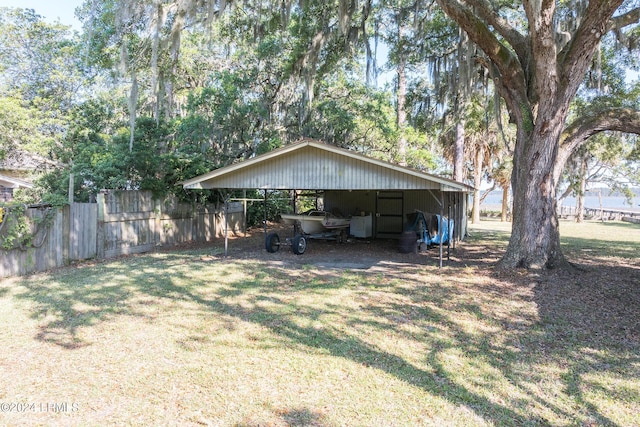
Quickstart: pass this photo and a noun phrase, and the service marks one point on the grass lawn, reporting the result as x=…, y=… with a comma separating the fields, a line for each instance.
x=190, y=337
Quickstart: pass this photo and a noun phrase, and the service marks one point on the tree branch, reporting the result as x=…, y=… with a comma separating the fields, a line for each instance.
x=487, y=192
x=481, y=35
x=576, y=57
x=512, y=74
x=621, y=21
x=517, y=41
x=618, y=23
x=542, y=32
x=613, y=119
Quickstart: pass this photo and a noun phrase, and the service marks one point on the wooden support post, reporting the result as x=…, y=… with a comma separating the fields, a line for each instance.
x=244, y=211
x=265, y=212
x=226, y=227
x=440, y=225
x=456, y=196
x=448, y=228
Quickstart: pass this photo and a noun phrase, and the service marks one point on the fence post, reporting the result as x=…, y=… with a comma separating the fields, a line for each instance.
x=158, y=212
x=100, y=226
x=66, y=234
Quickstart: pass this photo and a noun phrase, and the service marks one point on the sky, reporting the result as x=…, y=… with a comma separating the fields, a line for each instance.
x=51, y=10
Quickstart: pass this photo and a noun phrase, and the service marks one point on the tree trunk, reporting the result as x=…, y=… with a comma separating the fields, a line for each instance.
x=402, y=114
x=505, y=204
x=580, y=202
x=133, y=99
x=581, y=192
x=475, y=210
x=535, y=236
x=538, y=81
x=458, y=154
x=402, y=100
x=477, y=182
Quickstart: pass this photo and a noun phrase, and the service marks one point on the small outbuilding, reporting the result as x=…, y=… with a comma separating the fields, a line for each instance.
x=8, y=184
x=381, y=195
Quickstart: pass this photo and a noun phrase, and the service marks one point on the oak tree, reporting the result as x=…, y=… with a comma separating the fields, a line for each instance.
x=539, y=52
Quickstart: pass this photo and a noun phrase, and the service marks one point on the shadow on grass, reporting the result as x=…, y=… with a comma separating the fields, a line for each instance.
x=298, y=417
x=587, y=325
x=577, y=247
x=621, y=224
x=589, y=320
x=71, y=304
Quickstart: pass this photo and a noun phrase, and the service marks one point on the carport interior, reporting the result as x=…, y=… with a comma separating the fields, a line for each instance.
x=390, y=209
x=386, y=213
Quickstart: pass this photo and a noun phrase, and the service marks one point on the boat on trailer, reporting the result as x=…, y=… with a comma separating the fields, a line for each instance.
x=313, y=224
x=314, y=221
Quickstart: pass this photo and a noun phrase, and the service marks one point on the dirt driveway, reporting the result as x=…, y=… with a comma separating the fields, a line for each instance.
x=355, y=254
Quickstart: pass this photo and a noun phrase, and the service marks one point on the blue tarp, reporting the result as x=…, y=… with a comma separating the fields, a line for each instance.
x=427, y=226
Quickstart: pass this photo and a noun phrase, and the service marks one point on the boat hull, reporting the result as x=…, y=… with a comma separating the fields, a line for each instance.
x=315, y=222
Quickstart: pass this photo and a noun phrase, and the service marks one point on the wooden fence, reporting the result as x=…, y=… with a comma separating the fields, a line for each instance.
x=42, y=253
x=597, y=213
x=121, y=222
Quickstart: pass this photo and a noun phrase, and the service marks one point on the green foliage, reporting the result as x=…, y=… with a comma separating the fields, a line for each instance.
x=19, y=230
x=38, y=58
x=239, y=84
x=100, y=33
x=98, y=154
x=349, y=114
x=39, y=84
x=99, y=160
x=228, y=117
x=16, y=229
x=277, y=202
x=610, y=158
x=39, y=195
x=427, y=33
x=420, y=154
x=19, y=125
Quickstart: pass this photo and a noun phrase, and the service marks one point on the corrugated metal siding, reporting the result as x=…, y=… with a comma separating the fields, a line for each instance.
x=350, y=202
x=424, y=201
x=319, y=169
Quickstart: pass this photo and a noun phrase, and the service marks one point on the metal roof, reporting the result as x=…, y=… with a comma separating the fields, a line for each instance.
x=11, y=182
x=313, y=165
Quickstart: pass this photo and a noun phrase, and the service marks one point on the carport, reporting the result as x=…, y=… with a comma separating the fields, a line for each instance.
x=379, y=193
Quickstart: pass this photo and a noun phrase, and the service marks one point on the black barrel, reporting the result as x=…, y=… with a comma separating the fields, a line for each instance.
x=408, y=242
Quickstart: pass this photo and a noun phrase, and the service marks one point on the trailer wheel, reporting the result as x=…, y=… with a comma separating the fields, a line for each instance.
x=272, y=242
x=299, y=244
